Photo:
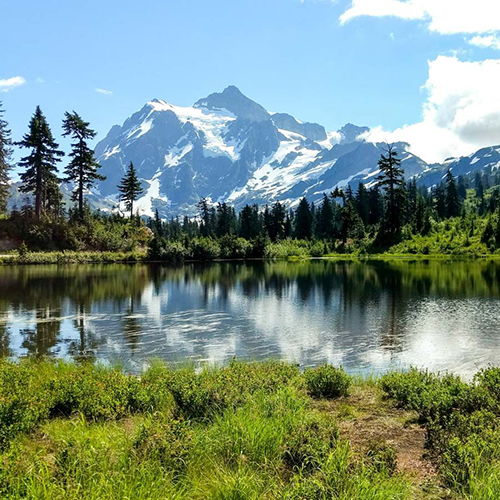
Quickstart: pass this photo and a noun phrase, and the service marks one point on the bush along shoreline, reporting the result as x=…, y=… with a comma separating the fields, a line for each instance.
x=245, y=430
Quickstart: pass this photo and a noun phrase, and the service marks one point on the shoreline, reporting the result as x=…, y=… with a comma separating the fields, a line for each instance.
x=139, y=257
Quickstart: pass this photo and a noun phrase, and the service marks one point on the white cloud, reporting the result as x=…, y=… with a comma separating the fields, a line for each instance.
x=460, y=115
x=11, y=83
x=104, y=91
x=40, y=80
x=443, y=16
x=486, y=41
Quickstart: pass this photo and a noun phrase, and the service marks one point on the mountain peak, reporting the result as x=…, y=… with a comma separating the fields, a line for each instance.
x=236, y=102
x=232, y=90
x=350, y=133
x=312, y=131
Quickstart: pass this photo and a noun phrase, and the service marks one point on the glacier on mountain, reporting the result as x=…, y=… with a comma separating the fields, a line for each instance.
x=227, y=147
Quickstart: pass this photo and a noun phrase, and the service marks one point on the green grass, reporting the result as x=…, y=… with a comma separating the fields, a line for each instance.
x=256, y=430
x=72, y=257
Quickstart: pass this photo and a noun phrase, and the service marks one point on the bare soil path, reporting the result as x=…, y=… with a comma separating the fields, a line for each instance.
x=365, y=417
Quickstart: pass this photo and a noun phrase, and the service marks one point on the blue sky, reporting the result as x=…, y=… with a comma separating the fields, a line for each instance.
x=333, y=62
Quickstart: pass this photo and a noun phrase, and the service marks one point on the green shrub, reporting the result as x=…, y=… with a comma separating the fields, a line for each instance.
x=327, y=382
x=489, y=379
x=204, y=249
x=198, y=396
x=318, y=249
x=97, y=393
x=462, y=424
x=169, y=251
x=203, y=395
x=232, y=247
x=432, y=396
x=310, y=444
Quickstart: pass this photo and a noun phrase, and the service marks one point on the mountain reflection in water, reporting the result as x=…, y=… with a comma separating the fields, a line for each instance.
x=369, y=317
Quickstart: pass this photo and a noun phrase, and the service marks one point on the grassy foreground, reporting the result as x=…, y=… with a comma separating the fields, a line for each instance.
x=261, y=430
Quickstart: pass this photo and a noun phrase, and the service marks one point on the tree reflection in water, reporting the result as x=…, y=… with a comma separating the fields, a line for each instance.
x=366, y=315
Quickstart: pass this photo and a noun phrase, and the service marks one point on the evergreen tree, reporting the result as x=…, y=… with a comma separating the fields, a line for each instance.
x=479, y=186
x=453, y=202
x=250, y=222
x=349, y=196
x=391, y=180
x=488, y=232
x=5, y=159
x=224, y=224
x=326, y=219
x=303, y=220
x=440, y=201
x=288, y=226
x=462, y=187
x=352, y=225
x=266, y=220
x=158, y=224
x=53, y=196
x=206, y=226
x=277, y=217
x=493, y=201
x=246, y=216
x=41, y=163
x=422, y=223
x=412, y=200
x=130, y=189
x=338, y=193
x=497, y=230
x=362, y=203
x=82, y=169
x=376, y=206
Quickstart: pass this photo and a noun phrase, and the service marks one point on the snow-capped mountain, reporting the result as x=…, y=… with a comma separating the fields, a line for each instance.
x=486, y=160
x=227, y=147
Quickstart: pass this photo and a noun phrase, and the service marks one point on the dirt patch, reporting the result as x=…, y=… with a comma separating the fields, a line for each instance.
x=365, y=417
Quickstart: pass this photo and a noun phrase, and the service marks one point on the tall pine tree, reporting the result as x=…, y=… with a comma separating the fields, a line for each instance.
x=130, y=189
x=5, y=159
x=326, y=219
x=453, y=202
x=249, y=222
x=439, y=196
x=376, y=205
x=41, y=163
x=362, y=203
x=277, y=216
x=82, y=169
x=391, y=180
x=462, y=187
x=204, y=208
x=303, y=220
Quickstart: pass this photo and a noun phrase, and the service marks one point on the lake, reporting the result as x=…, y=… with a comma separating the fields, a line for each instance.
x=367, y=316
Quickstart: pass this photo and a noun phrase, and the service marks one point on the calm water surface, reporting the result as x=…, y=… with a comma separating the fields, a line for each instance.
x=369, y=317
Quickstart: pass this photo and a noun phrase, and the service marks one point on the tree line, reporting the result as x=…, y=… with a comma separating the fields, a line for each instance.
x=384, y=212
x=379, y=212
x=40, y=165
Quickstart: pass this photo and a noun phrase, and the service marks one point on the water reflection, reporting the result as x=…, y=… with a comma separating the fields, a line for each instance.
x=367, y=316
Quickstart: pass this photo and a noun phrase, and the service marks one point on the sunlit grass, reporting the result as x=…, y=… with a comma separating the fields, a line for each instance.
x=240, y=431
